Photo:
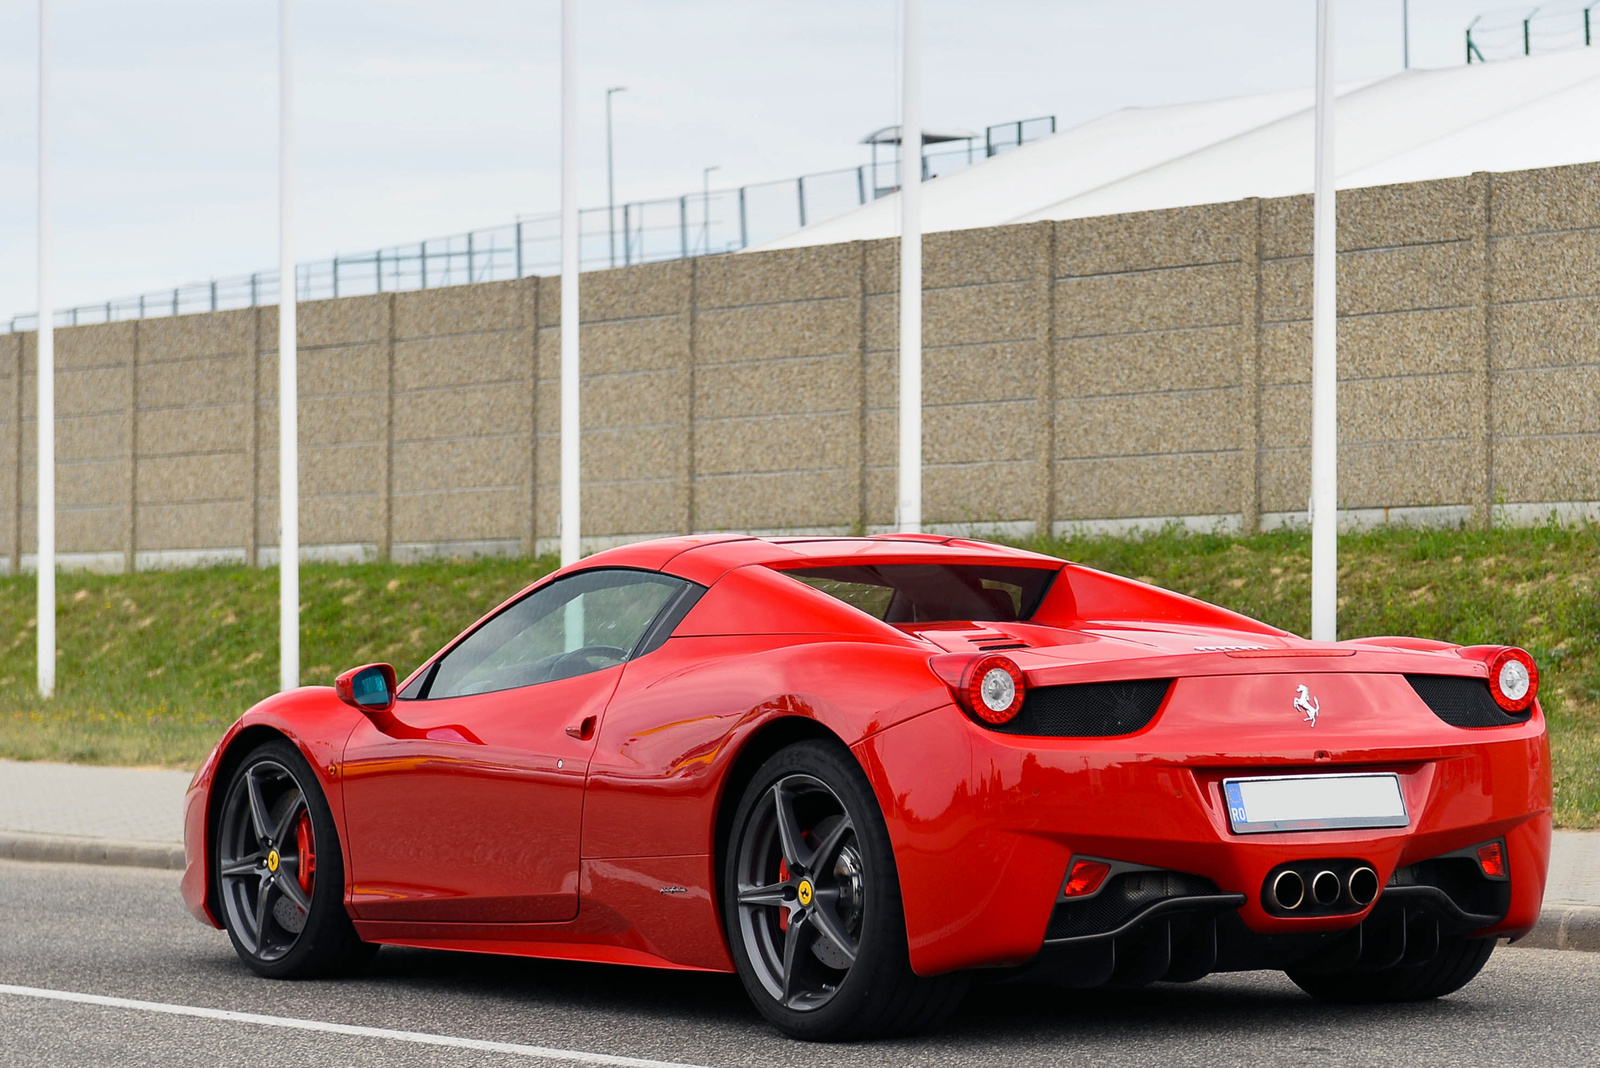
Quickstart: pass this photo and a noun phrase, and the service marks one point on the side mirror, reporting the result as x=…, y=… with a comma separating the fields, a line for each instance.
x=370, y=690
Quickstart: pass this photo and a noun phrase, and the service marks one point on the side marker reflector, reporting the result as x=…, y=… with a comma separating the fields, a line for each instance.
x=1085, y=878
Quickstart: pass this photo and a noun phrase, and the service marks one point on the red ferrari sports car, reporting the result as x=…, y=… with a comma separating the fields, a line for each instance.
x=861, y=772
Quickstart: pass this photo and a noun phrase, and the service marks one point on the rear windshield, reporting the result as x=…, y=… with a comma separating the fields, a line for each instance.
x=934, y=593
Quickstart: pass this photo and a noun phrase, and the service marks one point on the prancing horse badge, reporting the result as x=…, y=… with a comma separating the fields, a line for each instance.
x=1304, y=702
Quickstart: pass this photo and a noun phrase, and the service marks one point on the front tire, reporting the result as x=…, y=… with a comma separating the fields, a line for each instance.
x=1457, y=963
x=278, y=872
x=811, y=903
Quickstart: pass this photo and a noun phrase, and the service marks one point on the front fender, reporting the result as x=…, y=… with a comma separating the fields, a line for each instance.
x=315, y=721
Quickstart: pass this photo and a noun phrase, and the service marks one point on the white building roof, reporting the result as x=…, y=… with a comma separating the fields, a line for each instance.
x=1409, y=127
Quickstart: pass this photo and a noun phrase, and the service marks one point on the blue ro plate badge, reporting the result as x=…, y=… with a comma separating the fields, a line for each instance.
x=1314, y=802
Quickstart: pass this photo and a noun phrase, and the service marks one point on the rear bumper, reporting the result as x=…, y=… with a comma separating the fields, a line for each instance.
x=984, y=827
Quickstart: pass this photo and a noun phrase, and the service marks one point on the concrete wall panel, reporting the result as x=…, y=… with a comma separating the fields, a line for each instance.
x=1199, y=358
x=192, y=337
x=1175, y=298
x=1177, y=237
x=774, y=331
x=773, y=444
x=88, y=530
x=1555, y=198
x=200, y=525
x=1551, y=333
x=90, y=438
x=457, y=310
x=1139, y=424
x=194, y=383
x=1127, y=487
x=100, y=345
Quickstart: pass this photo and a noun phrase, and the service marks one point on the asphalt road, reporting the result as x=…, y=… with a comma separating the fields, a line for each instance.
x=122, y=933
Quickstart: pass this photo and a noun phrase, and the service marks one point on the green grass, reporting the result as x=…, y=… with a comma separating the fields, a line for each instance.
x=154, y=665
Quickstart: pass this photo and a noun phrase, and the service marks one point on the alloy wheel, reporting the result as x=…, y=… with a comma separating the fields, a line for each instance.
x=800, y=885
x=266, y=859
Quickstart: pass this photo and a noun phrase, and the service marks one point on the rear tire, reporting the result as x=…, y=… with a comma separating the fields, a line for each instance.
x=273, y=821
x=1457, y=963
x=812, y=907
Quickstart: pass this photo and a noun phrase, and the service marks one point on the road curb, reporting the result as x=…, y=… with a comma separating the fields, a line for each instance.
x=1565, y=927
x=68, y=850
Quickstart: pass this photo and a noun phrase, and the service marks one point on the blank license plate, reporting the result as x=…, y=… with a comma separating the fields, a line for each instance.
x=1314, y=803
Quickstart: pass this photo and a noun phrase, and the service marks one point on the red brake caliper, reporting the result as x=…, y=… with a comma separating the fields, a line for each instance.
x=307, y=852
x=783, y=877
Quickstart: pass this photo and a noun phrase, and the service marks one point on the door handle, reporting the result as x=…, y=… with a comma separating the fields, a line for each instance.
x=583, y=730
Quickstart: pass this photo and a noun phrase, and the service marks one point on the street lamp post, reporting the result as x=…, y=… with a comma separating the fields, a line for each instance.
x=705, y=206
x=288, y=376
x=611, y=186
x=1324, y=352
x=1405, y=33
x=910, y=502
x=571, y=494
x=46, y=572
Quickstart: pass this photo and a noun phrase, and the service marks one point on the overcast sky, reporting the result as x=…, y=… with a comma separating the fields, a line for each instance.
x=420, y=118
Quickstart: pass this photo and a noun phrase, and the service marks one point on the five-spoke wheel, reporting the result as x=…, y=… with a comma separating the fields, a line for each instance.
x=266, y=859
x=278, y=869
x=812, y=903
x=800, y=891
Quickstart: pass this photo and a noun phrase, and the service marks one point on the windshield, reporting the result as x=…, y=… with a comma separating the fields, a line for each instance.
x=934, y=593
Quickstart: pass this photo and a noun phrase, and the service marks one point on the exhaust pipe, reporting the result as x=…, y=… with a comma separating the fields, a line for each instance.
x=1288, y=891
x=1325, y=888
x=1362, y=887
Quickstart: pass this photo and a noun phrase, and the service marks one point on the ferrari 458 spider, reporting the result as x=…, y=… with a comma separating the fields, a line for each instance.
x=863, y=772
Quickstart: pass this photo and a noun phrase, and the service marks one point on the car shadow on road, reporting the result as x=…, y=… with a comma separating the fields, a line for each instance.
x=1221, y=1009
x=690, y=996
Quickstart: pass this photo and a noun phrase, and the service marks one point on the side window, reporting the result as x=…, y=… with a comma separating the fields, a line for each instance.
x=583, y=623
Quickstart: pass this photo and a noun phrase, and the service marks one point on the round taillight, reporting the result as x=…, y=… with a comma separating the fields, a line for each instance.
x=1513, y=679
x=994, y=689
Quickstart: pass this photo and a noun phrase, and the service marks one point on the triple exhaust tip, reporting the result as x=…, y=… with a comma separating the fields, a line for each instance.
x=1360, y=888
x=1288, y=890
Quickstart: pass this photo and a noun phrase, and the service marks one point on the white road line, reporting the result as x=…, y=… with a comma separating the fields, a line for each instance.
x=420, y=1038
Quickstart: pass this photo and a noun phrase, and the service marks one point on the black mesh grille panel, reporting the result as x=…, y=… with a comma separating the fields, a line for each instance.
x=1463, y=702
x=1124, y=897
x=1089, y=709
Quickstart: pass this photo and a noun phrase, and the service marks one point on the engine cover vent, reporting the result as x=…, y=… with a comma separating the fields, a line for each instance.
x=1089, y=709
x=1464, y=702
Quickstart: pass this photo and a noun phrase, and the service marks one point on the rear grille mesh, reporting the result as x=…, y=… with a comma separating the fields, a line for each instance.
x=1463, y=702
x=1089, y=709
x=1125, y=896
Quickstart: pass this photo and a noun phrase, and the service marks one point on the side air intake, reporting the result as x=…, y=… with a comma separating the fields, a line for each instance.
x=1089, y=709
x=1459, y=701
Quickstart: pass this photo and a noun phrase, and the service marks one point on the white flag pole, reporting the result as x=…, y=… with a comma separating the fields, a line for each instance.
x=288, y=378
x=571, y=498
x=1324, y=353
x=910, y=504
x=46, y=608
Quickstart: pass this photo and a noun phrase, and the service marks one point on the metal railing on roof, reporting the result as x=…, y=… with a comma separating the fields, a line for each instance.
x=641, y=231
x=1522, y=31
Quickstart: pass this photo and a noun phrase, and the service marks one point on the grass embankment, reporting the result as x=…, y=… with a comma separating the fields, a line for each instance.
x=154, y=665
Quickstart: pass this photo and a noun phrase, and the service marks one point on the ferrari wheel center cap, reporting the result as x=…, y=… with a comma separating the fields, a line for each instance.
x=272, y=860
x=804, y=893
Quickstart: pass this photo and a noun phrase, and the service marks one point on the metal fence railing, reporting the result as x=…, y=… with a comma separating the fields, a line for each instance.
x=1523, y=31
x=643, y=231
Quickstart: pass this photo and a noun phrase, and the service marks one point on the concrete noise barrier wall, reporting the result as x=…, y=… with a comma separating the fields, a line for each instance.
x=1111, y=372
